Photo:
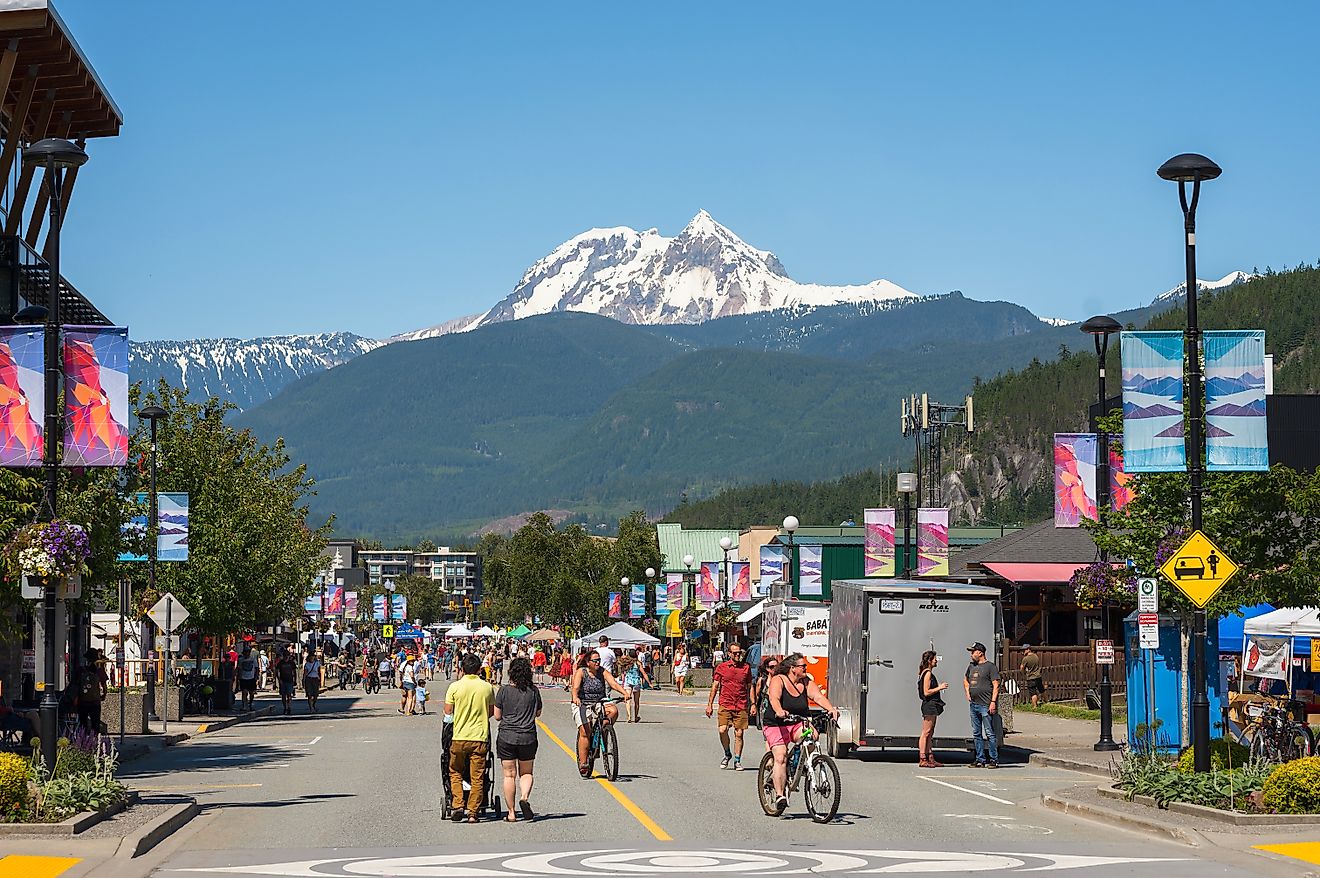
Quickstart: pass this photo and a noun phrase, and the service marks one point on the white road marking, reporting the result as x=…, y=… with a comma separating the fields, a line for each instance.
x=979, y=817
x=972, y=792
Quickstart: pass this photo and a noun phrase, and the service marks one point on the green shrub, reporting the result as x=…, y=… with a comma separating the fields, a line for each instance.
x=71, y=760
x=1293, y=787
x=14, y=772
x=1224, y=752
x=1141, y=774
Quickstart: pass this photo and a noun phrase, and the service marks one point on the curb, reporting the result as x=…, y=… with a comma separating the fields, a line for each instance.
x=233, y=720
x=158, y=830
x=173, y=738
x=70, y=826
x=1047, y=761
x=1114, y=817
x=1283, y=822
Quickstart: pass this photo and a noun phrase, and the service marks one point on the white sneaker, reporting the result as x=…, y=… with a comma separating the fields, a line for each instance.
x=737, y=765
x=724, y=763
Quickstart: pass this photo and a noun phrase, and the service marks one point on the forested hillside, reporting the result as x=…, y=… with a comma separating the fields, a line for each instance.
x=826, y=502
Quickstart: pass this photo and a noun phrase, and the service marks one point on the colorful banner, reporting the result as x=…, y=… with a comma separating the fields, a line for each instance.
x=660, y=598
x=1267, y=656
x=334, y=600
x=879, y=542
x=1122, y=485
x=351, y=604
x=312, y=603
x=637, y=601
x=809, y=568
x=399, y=607
x=708, y=585
x=95, y=396
x=740, y=581
x=1153, y=402
x=1235, y=434
x=22, y=395
x=1074, y=478
x=616, y=605
x=673, y=592
x=932, y=542
x=171, y=527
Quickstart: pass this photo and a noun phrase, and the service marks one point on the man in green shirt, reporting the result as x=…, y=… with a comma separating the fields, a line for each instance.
x=1031, y=667
x=470, y=701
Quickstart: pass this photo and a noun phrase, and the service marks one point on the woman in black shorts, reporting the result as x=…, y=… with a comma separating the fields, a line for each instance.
x=517, y=705
x=932, y=705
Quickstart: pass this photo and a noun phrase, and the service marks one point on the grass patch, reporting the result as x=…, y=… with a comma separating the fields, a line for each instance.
x=1068, y=711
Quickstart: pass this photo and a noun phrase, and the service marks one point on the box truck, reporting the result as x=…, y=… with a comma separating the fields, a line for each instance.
x=789, y=626
x=878, y=630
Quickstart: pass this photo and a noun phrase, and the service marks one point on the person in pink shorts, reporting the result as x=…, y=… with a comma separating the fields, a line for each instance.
x=788, y=698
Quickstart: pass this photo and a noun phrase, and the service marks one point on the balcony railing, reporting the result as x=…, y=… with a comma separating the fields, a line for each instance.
x=25, y=280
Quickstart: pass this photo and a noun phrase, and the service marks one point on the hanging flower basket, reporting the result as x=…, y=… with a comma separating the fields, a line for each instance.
x=1101, y=581
x=48, y=549
x=687, y=618
x=650, y=625
x=725, y=617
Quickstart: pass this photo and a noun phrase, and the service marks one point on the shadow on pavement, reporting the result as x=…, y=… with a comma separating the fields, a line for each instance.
x=276, y=803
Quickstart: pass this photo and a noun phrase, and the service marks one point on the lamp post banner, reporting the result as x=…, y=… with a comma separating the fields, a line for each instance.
x=809, y=571
x=351, y=604
x=313, y=602
x=22, y=395
x=1074, y=478
x=932, y=542
x=334, y=600
x=1235, y=431
x=616, y=605
x=1153, y=402
x=879, y=542
x=708, y=585
x=673, y=592
x=740, y=581
x=772, y=568
x=637, y=600
x=1121, y=489
x=95, y=396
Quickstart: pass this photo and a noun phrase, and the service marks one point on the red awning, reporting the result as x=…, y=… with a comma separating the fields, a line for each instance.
x=1020, y=573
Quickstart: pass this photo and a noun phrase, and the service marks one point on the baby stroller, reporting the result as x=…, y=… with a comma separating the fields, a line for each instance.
x=489, y=801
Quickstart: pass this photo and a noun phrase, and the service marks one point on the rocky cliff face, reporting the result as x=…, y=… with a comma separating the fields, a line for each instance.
x=978, y=480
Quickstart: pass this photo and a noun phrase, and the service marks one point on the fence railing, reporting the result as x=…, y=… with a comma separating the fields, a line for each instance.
x=1068, y=672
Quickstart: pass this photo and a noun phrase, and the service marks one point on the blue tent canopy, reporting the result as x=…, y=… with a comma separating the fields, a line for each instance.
x=1231, y=634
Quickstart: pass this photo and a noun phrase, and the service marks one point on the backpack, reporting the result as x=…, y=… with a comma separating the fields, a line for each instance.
x=89, y=684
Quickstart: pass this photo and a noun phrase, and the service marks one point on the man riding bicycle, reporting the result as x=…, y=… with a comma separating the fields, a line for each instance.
x=789, y=696
x=588, y=688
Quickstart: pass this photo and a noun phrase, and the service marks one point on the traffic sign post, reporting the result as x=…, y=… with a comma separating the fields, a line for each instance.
x=1199, y=569
x=1148, y=595
x=1148, y=630
x=168, y=614
x=1104, y=652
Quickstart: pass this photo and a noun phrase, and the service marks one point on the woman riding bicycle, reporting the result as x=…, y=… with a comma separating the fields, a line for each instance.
x=590, y=684
x=788, y=698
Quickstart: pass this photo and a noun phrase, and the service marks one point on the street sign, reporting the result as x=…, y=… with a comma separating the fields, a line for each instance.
x=1199, y=568
x=168, y=613
x=1148, y=595
x=1104, y=652
x=387, y=631
x=170, y=644
x=33, y=589
x=1148, y=630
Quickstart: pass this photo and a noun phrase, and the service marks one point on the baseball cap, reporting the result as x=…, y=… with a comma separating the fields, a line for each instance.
x=978, y=645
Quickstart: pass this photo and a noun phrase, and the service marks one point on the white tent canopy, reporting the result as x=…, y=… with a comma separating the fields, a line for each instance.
x=459, y=631
x=485, y=631
x=620, y=634
x=1288, y=622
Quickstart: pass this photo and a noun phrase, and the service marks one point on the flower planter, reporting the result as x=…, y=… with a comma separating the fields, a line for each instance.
x=135, y=713
x=70, y=826
x=1237, y=818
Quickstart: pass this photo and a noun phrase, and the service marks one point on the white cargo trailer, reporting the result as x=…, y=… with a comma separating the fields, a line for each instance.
x=878, y=631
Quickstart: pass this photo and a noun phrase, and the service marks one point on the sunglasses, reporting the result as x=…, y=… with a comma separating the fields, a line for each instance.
x=593, y=661
x=773, y=665
x=802, y=666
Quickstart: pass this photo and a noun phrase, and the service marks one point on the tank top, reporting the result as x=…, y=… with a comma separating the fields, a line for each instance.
x=922, y=692
x=794, y=704
x=592, y=688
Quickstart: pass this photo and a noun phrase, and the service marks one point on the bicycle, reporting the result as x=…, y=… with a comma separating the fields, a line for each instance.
x=1275, y=735
x=806, y=761
x=345, y=676
x=371, y=685
x=604, y=742
x=195, y=697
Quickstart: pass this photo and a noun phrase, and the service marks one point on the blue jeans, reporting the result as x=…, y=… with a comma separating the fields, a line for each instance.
x=983, y=726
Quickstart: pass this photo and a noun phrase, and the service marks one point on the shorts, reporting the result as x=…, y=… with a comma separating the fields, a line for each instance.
x=737, y=719
x=580, y=712
x=1036, y=686
x=408, y=687
x=287, y=688
x=520, y=752
x=248, y=685
x=312, y=686
x=781, y=736
x=932, y=708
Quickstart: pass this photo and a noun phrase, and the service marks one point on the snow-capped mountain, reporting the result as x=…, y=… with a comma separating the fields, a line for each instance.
x=1228, y=280
x=704, y=272
x=458, y=324
x=244, y=371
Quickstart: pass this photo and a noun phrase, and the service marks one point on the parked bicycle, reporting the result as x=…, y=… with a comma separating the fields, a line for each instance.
x=197, y=693
x=604, y=743
x=806, y=762
x=1275, y=736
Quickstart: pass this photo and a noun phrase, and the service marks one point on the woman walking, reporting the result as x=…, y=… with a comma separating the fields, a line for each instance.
x=680, y=670
x=313, y=674
x=635, y=678
x=517, y=706
x=932, y=705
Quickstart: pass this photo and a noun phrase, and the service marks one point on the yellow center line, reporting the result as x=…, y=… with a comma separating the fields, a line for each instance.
x=16, y=866
x=628, y=804
x=1306, y=851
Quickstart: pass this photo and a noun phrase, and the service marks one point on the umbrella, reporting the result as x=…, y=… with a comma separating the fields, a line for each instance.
x=545, y=635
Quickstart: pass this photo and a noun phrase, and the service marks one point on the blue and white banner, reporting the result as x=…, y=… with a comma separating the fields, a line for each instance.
x=1235, y=432
x=637, y=601
x=1153, y=402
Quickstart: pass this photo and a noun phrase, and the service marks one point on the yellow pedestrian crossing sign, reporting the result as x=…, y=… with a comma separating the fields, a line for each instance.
x=1199, y=568
x=387, y=631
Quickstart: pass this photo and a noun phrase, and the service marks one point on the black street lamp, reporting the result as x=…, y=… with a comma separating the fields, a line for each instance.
x=55, y=155
x=152, y=414
x=1100, y=328
x=907, y=486
x=790, y=525
x=1183, y=169
x=726, y=592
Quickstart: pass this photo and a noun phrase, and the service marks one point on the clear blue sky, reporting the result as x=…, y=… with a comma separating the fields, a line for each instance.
x=382, y=166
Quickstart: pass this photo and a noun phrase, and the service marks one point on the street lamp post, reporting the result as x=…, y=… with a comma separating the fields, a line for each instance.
x=152, y=414
x=1100, y=328
x=55, y=155
x=1183, y=169
x=688, y=561
x=389, y=605
x=623, y=588
x=907, y=486
x=726, y=544
x=790, y=526
x=650, y=591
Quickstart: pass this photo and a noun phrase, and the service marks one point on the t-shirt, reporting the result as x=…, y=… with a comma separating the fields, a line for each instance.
x=980, y=681
x=287, y=669
x=1031, y=664
x=735, y=684
x=247, y=667
x=409, y=673
x=472, y=698
x=518, y=709
x=607, y=659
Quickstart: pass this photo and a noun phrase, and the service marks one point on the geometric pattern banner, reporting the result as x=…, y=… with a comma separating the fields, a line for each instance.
x=637, y=601
x=351, y=604
x=708, y=585
x=879, y=542
x=772, y=567
x=172, y=526
x=95, y=396
x=809, y=571
x=1153, y=402
x=1235, y=433
x=334, y=600
x=1074, y=478
x=932, y=542
x=398, y=608
x=616, y=605
x=740, y=581
x=1121, y=487
x=673, y=592
x=22, y=396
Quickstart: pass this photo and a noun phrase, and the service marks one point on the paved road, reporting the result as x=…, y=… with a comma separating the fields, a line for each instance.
x=354, y=791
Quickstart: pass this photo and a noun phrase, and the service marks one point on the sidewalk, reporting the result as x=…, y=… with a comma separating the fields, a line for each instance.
x=1063, y=743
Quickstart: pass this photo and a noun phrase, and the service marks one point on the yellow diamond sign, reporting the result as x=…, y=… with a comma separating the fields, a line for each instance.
x=387, y=631
x=1199, y=568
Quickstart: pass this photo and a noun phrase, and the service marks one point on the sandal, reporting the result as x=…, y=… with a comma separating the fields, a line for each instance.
x=511, y=819
x=585, y=771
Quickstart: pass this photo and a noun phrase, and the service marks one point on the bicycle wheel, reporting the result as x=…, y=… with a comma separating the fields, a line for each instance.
x=1260, y=749
x=765, y=786
x=823, y=788
x=1299, y=742
x=609, y=753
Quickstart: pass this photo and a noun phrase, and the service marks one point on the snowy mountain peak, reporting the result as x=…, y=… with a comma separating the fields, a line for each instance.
x=1228, y=280
x=705, y=271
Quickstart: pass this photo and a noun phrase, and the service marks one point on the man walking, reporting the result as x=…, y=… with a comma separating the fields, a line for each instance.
x=981, y=683
x=607, y=656
x=732, y=681
x=1031, y=667
x=246, y=679
x=470, y=700
x=286, y=676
